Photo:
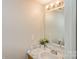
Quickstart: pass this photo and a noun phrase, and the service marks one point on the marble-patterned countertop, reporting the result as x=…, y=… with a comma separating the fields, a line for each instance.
x=50, y=52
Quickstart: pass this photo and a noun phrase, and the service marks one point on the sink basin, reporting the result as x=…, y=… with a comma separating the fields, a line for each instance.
x=49, y=55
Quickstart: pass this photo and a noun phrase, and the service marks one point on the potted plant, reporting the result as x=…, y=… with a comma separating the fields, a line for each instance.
x=44, y=41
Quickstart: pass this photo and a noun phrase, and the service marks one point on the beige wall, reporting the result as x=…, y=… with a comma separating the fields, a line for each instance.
x=21, y=25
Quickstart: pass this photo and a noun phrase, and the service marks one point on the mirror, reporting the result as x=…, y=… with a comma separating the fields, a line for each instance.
x=54, y=21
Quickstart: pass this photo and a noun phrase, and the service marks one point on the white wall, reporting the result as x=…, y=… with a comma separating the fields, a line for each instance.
x=21, y=25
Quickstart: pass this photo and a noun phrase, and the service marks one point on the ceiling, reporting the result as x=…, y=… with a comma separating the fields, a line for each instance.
x=46, y=1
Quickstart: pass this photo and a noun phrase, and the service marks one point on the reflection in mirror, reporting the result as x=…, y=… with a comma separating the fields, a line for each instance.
x=54, y=21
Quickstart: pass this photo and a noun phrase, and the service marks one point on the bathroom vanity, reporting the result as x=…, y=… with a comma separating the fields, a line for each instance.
x=51, y=51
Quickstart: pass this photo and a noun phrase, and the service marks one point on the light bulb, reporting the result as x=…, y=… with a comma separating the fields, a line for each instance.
x=51, y=5
x=47, y=7
x=57, y=2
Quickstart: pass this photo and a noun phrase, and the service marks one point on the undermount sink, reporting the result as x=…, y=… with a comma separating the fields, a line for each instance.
x=48, y=55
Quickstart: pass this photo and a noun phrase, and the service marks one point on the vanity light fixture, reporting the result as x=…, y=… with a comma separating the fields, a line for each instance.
x=54, y=6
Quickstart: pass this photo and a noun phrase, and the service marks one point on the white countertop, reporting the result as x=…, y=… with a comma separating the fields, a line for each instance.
x=45, y=53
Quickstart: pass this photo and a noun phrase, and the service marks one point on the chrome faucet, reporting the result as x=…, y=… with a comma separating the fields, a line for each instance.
x=59, y=42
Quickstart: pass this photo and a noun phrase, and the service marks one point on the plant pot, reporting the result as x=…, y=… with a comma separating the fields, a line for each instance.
x=43, y=46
